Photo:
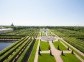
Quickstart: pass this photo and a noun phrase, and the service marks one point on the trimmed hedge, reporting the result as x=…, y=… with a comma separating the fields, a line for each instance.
x=13, y=56
x=8, y=48
x=4, y=56
x=23, y=55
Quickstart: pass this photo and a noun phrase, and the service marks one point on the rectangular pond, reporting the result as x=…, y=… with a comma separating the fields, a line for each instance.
x=4, y=44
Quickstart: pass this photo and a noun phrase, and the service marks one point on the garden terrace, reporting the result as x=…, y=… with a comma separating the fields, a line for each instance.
x=73, y=36
x=24, y=32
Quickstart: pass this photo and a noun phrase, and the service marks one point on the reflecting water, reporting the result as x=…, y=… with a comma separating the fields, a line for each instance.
x=4, y=45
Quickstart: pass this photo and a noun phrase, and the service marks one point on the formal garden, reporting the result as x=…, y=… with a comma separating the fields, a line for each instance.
x=37, y=44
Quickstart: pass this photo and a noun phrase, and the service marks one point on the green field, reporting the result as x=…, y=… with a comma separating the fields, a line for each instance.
x=70, y=58
x=46, y=58
x=44, y=45
x=61, y=46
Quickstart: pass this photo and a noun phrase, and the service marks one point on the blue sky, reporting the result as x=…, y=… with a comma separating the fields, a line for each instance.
x=42, y=12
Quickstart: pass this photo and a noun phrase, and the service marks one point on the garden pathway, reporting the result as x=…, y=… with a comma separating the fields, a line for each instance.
x=36, y=55
x=56, y=53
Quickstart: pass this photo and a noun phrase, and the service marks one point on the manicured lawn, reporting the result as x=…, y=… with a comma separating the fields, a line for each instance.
x=44, y=45
x=32, y=56
x=43, y=34
x=70, y=58
x=75, y=51
x=61, y=46
x=46, y=58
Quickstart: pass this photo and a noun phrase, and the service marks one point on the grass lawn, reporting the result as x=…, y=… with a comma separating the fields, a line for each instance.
x=70, y=58
x=61, y=46
x=75, y=51
x=43, y=34
x=32, y=55
x=44, y=45
x=46, y=58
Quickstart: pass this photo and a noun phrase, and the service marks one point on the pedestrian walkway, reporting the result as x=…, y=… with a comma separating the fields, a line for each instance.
x=56, y=53
x=36, y=55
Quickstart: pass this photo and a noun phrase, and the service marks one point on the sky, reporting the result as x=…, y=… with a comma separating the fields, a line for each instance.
x=42, y=12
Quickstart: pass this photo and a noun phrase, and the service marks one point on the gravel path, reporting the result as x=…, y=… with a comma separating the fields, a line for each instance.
x=56, y=53
x=36, y=55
